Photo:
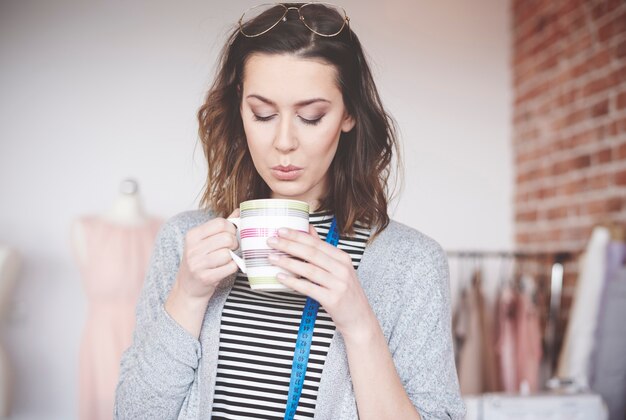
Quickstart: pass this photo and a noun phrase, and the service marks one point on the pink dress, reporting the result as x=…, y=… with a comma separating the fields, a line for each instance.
x=116, y=261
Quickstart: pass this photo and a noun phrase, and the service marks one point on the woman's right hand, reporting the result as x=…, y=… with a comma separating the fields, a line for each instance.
x=206, y=260
x=204, y=264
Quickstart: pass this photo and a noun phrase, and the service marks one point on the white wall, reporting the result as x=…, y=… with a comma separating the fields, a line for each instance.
x=96, y=91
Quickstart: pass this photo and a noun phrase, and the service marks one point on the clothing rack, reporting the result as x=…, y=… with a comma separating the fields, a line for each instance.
x=556, y=260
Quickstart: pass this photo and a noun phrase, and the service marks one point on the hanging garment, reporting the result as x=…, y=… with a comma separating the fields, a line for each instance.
x=528, y=338
x=460, y=325
x=615, y=260
x=476, y=365
x=610, y=376
x=579, y=335
x=505, y=345
x=116, y=261
x=489, y=364
x=469, y=368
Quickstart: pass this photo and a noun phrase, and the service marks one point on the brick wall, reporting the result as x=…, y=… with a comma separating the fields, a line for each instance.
x=569, y=128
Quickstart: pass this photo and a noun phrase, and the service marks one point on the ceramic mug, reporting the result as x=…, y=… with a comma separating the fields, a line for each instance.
x=259, y=220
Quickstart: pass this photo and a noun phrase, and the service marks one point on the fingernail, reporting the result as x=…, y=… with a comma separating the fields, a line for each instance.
x=272, y=241
x=273, y=257
x=281, y=276
x=283, y=231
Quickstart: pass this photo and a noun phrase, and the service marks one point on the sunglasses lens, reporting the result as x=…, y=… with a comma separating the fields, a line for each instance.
x=261, y=18
x=323, y=18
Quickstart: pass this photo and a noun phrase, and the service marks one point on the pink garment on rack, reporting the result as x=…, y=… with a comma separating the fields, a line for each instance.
x=477, y=368
x=113, y=273
x=506, y=345
x=528, y=342
x=469, y=368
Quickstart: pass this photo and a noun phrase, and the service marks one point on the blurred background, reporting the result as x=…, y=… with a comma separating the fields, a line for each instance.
x=512, y=118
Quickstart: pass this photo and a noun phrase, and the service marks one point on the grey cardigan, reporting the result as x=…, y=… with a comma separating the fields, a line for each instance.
x=167, y=373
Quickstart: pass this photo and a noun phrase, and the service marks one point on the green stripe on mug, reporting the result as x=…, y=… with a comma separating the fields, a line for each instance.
x=262, y=280
x=270, y=203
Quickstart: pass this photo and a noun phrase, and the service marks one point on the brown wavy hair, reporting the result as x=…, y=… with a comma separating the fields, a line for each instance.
x=359, y=188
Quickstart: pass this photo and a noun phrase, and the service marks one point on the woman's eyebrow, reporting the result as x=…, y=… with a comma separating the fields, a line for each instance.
x=301, y=103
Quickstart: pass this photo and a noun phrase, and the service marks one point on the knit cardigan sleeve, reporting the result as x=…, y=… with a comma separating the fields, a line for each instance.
x=420, y=338
x=158, y=369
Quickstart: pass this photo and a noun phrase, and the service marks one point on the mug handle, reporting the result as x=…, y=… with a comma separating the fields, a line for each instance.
x=238, y=260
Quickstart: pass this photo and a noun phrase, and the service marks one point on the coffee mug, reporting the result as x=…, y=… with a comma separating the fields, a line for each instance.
x=259, y=220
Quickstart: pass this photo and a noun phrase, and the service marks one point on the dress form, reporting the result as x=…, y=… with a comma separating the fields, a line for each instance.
x=10, y=263
x=112, y=251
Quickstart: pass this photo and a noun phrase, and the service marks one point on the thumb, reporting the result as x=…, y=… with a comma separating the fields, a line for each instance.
x=313, y=232
x=235, y=213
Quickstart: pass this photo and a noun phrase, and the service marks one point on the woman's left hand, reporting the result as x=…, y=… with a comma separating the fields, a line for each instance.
x=328, y=277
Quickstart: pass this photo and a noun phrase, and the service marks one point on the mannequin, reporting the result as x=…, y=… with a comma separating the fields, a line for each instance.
x=112, y=250
x=10, y=263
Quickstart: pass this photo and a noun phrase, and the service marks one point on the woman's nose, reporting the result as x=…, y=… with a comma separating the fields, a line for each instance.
x=285, y=139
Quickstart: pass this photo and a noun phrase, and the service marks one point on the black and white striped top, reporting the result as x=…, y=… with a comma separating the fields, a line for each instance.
x=257, y=339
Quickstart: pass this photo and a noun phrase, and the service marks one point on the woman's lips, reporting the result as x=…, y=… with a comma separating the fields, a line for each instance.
x=286, y=173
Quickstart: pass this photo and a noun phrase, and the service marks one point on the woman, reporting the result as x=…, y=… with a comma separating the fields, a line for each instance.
x=294, y=113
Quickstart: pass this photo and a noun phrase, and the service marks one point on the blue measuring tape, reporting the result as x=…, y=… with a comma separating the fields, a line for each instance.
x=303, y=343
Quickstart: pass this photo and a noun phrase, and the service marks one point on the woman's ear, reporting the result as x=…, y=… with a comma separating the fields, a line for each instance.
x=348, y=122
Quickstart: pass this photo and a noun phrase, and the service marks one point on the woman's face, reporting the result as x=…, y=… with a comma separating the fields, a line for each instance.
x=293, y=115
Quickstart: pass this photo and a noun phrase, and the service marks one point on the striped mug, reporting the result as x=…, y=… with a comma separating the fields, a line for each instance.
x=259, y=220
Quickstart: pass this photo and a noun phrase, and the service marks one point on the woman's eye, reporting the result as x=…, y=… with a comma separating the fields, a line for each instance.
x=312, y=122
x=260, y=118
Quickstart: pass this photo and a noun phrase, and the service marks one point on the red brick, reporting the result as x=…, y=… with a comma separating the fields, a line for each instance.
x=616, y=26
x=546, y=192
x=599, y=60
x=578, y=232
x=581, y=138
x=552, y=61
x=549, y=41
x=522, y=238
x=604, y=7
x=610, y=205
x=557, y=213
x=568, y=165
x=610, y=128
x=620, y=178
x=538, y=90
x=570, y=188
x=570, y=119
x=621, y=152
x=620, y=126
x=567, y=98
x=600, y=109
x=526, y=216
x=581, y=162
x=615, y=204
x=570, y=9
x=525, y=11
x=554, y=235
x=563, y=77
x=584, y=185
x=580, y=45
x=595, y=207
x=619, y=75
x=621, y=100
x=598, y=182
x=620, y=50
x=598, y=85
x=603, y=156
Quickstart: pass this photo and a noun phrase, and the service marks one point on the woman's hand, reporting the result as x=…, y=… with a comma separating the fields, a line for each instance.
x=206, y=260
x=328, y=277
x=204, y=264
